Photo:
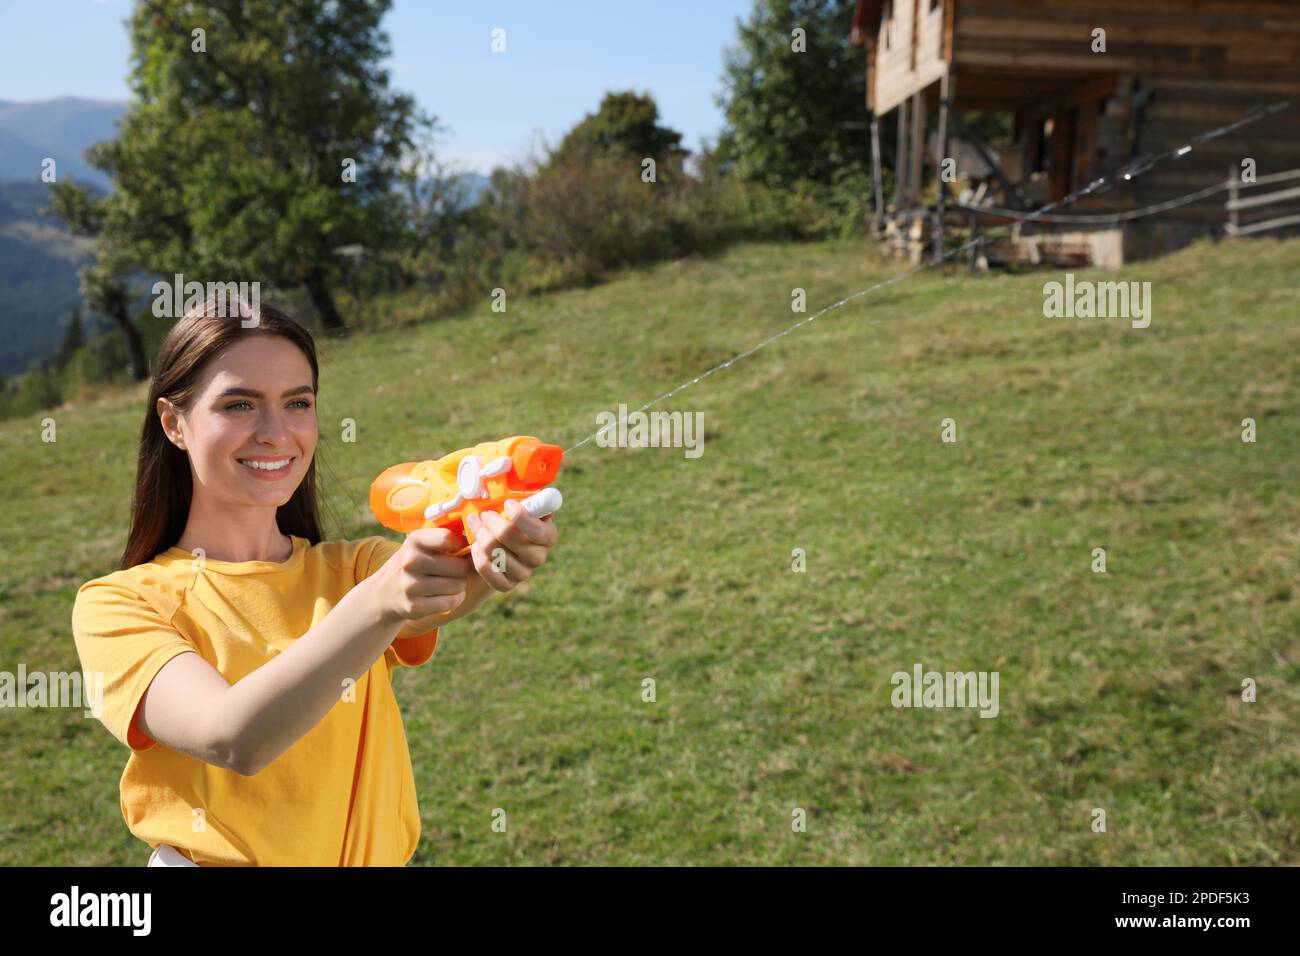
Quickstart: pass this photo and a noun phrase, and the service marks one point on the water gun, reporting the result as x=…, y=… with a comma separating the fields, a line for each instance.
x=442, y=492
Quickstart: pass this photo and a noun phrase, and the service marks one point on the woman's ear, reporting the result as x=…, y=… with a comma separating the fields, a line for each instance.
x=169, y=418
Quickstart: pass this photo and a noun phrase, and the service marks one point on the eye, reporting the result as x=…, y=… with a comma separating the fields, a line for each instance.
x=303, y=403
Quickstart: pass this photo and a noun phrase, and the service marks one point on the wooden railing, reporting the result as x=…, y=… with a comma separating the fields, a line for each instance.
x=1285, y=201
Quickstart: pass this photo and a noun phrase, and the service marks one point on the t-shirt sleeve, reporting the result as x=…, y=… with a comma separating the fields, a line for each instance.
x=371, y=553
x=404, y=651
x=124, y=639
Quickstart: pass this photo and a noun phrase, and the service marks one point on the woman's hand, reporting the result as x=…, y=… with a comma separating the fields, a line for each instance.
x=507, y=552
x=422, y=578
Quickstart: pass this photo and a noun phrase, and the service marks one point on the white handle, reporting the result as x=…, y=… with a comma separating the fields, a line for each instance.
x=545, y=502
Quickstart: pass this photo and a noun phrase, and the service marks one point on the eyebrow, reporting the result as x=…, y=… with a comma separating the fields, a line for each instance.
x=254, y=393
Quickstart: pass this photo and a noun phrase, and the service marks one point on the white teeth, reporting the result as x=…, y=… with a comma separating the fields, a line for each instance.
x=265, y=466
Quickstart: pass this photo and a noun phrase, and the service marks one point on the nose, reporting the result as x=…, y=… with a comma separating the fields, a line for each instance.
x=271, y=428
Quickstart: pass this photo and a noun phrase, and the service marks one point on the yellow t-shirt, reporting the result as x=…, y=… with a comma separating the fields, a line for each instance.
x=342, y=795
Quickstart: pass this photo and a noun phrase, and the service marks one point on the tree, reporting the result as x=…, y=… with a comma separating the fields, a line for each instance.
x=624, y=121
x=233, y=162
x=794, y=115
x=104, y=281
x=433, y=202
x=74, y=336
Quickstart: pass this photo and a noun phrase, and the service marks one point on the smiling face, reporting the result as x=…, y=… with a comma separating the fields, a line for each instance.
x=251, y=430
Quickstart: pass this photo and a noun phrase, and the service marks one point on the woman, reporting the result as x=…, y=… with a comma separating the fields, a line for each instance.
x=247, y=662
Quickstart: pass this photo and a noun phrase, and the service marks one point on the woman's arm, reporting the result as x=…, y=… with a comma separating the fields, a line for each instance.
x=192, y=709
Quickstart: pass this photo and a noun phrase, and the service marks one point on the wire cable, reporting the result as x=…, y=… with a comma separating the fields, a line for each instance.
x=1127, y=172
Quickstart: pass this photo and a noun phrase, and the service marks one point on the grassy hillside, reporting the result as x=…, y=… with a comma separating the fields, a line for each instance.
x=1118, y=691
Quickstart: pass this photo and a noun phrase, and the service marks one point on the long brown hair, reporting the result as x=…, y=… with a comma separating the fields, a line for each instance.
x=160, y=505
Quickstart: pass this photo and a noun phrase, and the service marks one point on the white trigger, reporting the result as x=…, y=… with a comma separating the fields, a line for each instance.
x=434, y=511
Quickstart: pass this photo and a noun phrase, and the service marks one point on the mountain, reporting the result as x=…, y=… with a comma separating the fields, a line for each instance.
x=38, y=275
x=38, y=257
x=60, y=129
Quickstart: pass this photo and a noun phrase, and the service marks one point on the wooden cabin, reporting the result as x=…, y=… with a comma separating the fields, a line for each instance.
x=1090, y=85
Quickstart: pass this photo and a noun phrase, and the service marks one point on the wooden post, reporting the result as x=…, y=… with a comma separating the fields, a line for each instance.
x=940, y=153
x=901, y=164
x=877, y=180
x=918, y=147
x=974, y=241
x=1234, y=190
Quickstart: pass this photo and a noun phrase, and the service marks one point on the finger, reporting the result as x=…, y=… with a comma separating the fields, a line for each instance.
x=537, y=530
x=439, y=565
x=516, y=537
x=513, y=539
x=433, y=586
x=489, y=556
x=425, y=607
x=433, y=594
x=437, y=540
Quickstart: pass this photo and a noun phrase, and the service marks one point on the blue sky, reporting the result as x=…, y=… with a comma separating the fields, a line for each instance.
x=561, y=56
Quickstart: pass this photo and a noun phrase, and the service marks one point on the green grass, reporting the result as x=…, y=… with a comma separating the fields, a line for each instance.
x=1118, y=690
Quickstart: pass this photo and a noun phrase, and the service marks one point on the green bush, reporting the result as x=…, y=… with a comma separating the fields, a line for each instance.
x=34, y=390
x=585, y=215
x=806, y=211
x=98, y=363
